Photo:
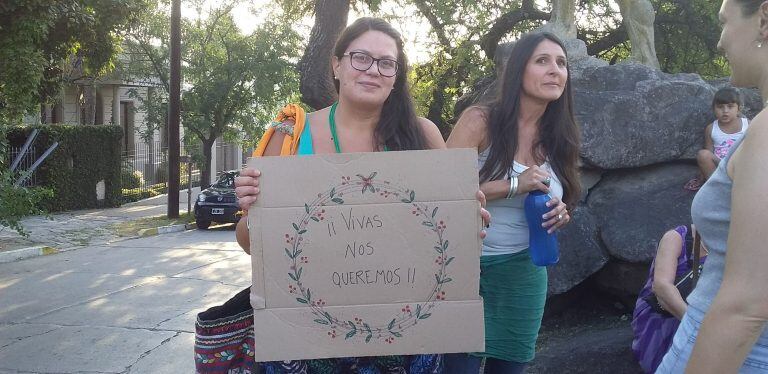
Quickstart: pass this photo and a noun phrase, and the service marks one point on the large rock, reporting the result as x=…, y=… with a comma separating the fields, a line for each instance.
x=580, y=253
x=632, y=116
x=635, y=207
x=622, y=280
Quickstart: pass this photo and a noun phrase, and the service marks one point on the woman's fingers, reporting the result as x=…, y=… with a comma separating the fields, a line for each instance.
x=246, y=187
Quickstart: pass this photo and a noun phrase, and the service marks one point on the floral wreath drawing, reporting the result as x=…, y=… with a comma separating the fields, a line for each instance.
x=409, y=315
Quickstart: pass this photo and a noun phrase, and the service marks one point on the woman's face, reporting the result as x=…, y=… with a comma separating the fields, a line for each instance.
x=546, y=72
x=738, y=41
x=372, y=85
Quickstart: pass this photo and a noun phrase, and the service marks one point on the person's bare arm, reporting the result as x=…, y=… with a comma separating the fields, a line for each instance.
x=665, y=270
x=740, y=310
x=708, y=143
x=432, y=134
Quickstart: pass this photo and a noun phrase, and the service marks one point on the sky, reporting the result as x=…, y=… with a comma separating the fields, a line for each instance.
x=249, y=14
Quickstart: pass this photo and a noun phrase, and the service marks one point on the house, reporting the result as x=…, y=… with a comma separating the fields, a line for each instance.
x=120, y=101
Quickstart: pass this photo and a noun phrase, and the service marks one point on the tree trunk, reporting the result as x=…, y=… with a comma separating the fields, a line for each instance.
x=316, y=85
x=89, y=105
x=205, y=173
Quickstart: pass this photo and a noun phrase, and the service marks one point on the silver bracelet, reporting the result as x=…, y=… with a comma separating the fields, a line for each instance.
x=512, y=187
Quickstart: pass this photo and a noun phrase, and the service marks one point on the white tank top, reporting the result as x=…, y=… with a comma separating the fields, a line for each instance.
x=723, y=141
x=508, y=232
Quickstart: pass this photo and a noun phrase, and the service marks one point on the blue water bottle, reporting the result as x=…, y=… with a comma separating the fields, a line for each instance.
x=543, y=246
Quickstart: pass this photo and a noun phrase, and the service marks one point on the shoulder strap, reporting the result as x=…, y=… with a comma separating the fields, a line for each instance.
x=290, y=145
x=696, y=257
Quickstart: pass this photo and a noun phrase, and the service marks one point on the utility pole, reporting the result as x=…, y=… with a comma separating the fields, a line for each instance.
x=174, y=118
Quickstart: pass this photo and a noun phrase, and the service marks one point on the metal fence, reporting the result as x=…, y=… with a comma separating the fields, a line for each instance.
x=144, y=171
x=26, y=163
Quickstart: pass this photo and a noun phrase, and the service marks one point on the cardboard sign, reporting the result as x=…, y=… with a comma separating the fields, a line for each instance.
x=366, y=254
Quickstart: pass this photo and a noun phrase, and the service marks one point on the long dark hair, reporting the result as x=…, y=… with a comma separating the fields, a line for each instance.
x=398, y=126
x=558, y=132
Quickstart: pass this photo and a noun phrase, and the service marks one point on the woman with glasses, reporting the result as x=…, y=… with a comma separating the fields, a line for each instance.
x=374, y=113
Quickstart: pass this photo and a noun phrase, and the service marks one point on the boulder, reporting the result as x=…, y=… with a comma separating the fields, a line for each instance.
x=635, y=207
x=630, y=117
x=580, y=253
x=622, y=280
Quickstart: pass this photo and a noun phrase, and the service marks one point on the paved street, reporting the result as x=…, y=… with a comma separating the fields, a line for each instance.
x=124, y=307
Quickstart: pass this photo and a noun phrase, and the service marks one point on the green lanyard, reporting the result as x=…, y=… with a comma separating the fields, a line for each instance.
x=332, y=120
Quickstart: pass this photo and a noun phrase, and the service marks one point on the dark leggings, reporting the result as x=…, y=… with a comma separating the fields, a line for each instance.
x=462, y=363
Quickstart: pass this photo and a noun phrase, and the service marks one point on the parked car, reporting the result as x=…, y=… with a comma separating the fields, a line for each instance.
x=218, y=202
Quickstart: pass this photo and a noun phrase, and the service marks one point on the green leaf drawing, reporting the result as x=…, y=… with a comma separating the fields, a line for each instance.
x=391, y=324
x=449, y=260
x=418, y=310
x=298, y=274
x=337, y=200
x=328, y=315
x=309, y=295
x=287, y=252
x=437, y=278
x=446, y=280
x=445, y=244
x=396, y=334
x=350, y=334
x=302, y=231
x=306, y=207
x=354, y=328
x=425, y=316
x=372, y=175
x=428, y=224
x=301, y=300
x=367, y=328
x=293, y=277
x=315, y=219
x=368, y=338
x=434, y=212
x=295, y=226
x=333, y=192
x=322, y=321
x=413, y=195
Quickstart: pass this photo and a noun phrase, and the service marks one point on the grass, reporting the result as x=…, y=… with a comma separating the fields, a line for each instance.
x=131, y=228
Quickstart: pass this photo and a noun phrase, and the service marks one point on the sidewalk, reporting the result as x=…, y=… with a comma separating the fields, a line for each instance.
x=69, y=230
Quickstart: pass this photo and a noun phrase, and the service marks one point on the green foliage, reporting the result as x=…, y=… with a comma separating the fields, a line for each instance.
x=45, y=42
x=236, y=81
x=687, y=33
x=18, y=202
x=129, y=177
x=85, y=156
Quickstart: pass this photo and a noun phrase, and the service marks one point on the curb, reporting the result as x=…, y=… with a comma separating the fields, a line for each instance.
x=165, y=229
x=44, y=250
x=29, y=252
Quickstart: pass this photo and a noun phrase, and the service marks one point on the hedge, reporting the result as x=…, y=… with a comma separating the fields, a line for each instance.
x=85, y=156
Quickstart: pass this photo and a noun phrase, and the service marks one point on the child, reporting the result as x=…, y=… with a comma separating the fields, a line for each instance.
x=720, y=135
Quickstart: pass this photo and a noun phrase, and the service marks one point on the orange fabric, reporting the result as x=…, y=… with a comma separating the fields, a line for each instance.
x=290, y=142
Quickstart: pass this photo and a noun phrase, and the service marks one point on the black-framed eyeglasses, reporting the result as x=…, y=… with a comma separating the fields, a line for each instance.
x=362, y=61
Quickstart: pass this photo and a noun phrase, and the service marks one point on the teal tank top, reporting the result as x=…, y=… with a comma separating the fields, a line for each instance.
x=305, y=141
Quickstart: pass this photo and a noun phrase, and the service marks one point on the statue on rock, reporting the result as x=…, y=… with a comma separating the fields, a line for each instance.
x=563, y=19
x=638, y=17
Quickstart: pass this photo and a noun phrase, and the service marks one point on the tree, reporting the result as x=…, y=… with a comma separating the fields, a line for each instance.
x=235, y=81
x=42, y=42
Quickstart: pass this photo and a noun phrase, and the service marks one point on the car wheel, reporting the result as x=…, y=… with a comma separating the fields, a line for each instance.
x=203, y=225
